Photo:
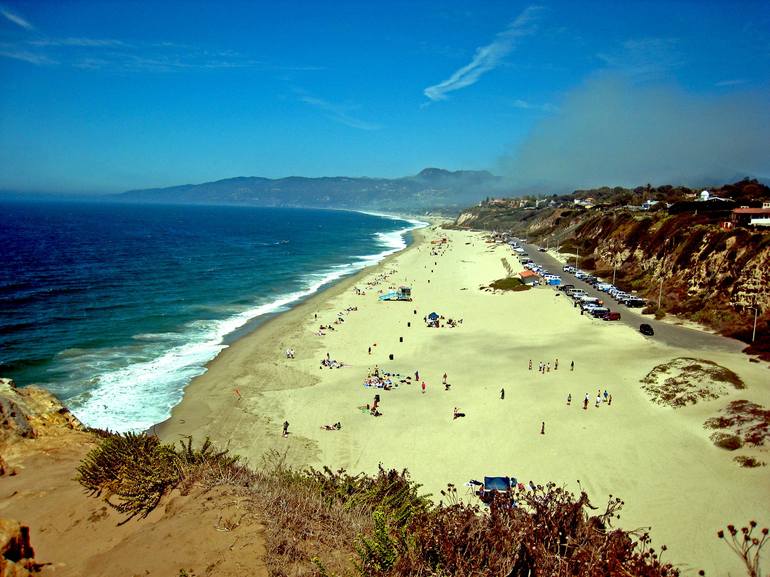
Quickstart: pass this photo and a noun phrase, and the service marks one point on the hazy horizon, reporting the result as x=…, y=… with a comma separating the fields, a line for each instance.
x=102, y=98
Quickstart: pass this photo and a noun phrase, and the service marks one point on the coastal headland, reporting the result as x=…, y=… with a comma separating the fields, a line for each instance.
x=657, y=458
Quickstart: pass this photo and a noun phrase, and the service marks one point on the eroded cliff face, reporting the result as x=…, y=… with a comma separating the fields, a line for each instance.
x=465, y=218
x=31, y=412
x=710, y=275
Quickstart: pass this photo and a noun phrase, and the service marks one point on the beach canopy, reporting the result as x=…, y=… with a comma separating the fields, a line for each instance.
x=502, y=484
x=433, y=316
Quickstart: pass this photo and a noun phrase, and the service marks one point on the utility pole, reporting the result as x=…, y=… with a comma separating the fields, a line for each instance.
x=660, y=293
x=754, y=332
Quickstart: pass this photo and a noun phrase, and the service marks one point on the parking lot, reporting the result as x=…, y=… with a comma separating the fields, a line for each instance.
x=665, y=332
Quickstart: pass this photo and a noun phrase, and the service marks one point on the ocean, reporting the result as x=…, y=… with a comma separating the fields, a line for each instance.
x=116, y=307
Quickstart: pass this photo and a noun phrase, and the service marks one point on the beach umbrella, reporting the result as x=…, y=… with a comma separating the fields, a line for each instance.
x=433, y=316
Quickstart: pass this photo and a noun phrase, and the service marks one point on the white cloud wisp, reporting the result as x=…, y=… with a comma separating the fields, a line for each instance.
x=487, y=57
x=16, y=19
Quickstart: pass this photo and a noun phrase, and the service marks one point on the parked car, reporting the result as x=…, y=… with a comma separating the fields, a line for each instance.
x=646, y=329
x=635, y=302
x=612, y=316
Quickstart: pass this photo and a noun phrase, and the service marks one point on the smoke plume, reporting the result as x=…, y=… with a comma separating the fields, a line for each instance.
x=612, y=132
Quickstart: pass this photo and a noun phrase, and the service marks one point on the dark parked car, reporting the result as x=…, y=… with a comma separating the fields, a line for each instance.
x=646, y=329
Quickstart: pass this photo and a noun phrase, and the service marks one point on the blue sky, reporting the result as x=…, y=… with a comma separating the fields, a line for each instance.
x=108, y=96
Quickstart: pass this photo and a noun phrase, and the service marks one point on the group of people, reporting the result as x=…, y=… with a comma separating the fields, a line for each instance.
x=435, y=322
x=378, y=280
x=545, y=367
x=379, y=382
x=290, y=353
x=337, y=321
x=606, y=397
x=330, y=363
x=374, y=408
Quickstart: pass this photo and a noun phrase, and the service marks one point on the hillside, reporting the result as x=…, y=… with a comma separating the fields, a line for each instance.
x=710, y=274
x=432, y=189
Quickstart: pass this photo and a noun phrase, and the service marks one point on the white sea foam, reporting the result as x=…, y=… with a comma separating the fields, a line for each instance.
x=141, y=394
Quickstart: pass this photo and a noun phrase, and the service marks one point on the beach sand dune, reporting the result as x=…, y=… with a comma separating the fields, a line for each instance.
x=659, y=460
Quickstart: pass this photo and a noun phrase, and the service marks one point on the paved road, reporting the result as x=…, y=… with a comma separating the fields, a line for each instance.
x=677, y=336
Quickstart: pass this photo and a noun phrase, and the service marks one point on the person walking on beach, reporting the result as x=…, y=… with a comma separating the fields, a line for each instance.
x=585, y=402
x=530, y=364
x=598, y=400
x=444, y=381
x=502, y=394
x=605, y=395
x=569, y=399
x=542, y=428
x=423, y=387
x=370, y=350
x=556, y=365
x=572, y=365
x=286, y=428
x=609, y=402
x=417, y=375
x=549, y=366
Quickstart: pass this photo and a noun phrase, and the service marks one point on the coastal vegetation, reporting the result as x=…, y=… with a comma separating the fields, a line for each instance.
x=685, y=380
x=325, y=522
x=749, y=422
x=509, y=284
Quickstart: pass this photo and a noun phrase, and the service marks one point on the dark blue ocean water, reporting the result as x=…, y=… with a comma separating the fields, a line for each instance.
x=116, y=307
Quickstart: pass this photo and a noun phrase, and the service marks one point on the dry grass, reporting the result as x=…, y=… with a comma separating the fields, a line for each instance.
x=685, y=381
x=744, y=419
x=749, y=462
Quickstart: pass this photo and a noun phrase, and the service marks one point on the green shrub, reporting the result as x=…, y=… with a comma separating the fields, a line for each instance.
x=132, y=471
x=509, y=284
x=727, y=441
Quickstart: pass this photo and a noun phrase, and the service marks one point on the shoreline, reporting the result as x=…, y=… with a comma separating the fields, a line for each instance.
x=276, y=324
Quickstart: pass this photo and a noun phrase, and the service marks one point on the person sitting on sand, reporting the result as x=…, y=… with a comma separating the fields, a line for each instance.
x=335, y=427
x=456, y=414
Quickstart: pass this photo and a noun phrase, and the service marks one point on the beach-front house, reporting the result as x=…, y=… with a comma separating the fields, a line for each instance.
x=745, y=216
x=528, y=277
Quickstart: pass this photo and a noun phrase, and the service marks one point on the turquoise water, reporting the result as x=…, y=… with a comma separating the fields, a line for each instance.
x=115, y=307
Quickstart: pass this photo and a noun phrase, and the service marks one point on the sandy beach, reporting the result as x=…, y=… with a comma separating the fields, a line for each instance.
x=659, y=460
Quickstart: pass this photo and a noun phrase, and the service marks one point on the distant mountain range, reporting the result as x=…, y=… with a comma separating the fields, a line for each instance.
x=433, y=189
